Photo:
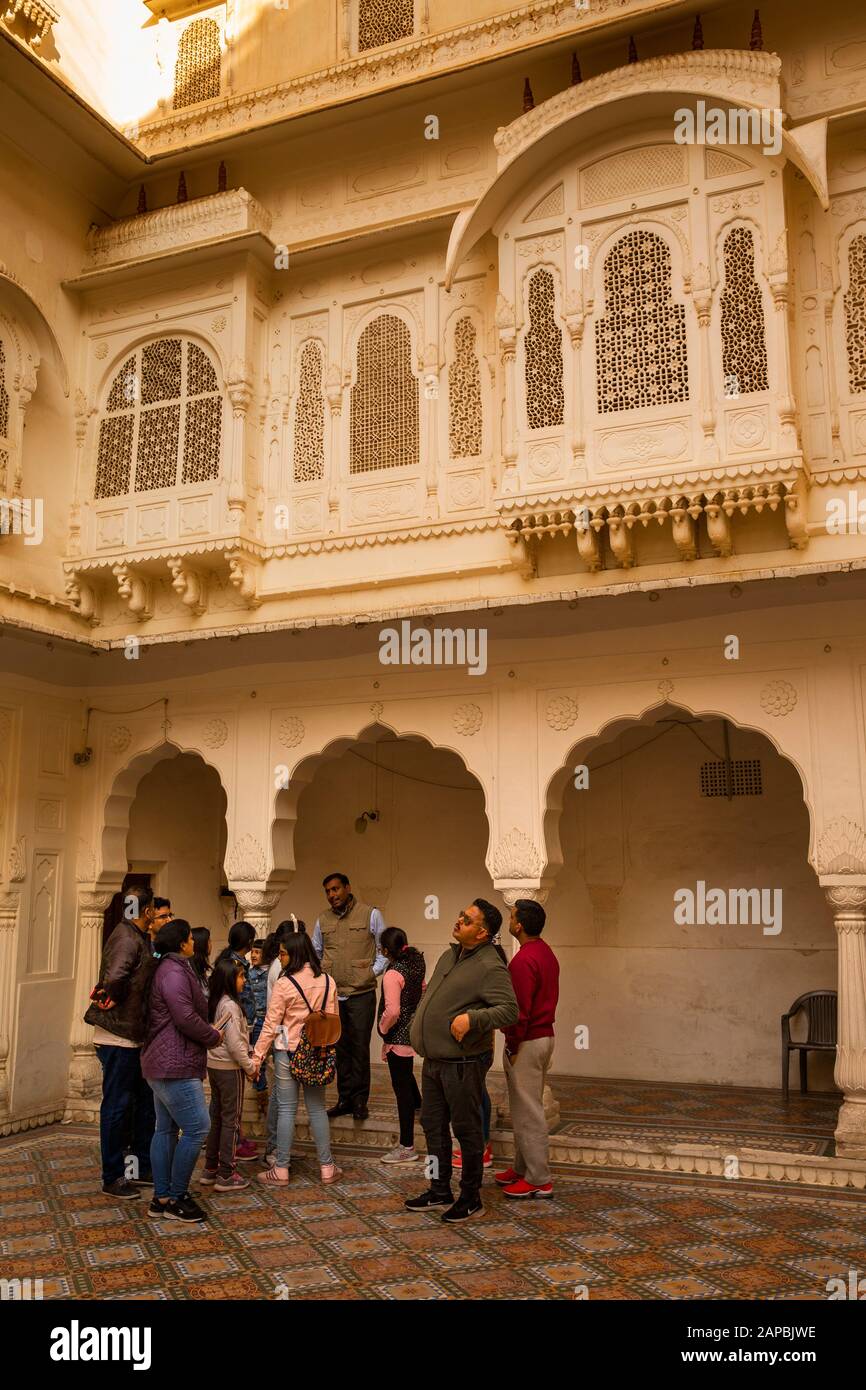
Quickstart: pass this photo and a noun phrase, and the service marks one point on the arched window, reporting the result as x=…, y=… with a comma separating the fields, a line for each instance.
x=5, y=427
x=309, y=459
x=640, y=342
x=197, y=70
x=384, y=21
x=545, y=400
x=464, y=394
x=855, y=314
x=744, y=344
x=384, y=415
x=163, y=418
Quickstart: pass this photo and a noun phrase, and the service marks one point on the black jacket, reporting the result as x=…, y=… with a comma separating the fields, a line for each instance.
x=122, y=956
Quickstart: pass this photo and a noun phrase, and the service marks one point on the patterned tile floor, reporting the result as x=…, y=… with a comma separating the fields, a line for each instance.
x=617, y=1237
x=735, y=1116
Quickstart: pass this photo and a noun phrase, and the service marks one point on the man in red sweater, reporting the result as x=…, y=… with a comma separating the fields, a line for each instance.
x=528, y=1051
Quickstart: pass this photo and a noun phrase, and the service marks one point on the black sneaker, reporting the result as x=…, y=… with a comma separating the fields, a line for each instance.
x=462, y=1209
x=157, y=1209
x=186, y=1209
x=430, y=1198
x=121, y=1188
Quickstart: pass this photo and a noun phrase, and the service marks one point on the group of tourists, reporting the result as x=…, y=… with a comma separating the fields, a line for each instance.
x=164, y=1015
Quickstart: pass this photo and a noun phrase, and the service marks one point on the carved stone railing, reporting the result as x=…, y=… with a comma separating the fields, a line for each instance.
x=178, y=228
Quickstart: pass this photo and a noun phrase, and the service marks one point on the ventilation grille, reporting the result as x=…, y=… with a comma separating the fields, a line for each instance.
x=745, y=777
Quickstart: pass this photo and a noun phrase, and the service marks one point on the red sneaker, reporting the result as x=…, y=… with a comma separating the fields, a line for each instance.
x=488, y=1155
x=246, y=1149
x=522, y=1188
x=506, y=1178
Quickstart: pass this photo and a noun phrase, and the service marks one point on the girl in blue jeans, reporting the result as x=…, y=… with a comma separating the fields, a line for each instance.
x=301, y=987
x=172, y=1012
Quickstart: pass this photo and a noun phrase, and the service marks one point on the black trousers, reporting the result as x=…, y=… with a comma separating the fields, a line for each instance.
x=353, y=1049
x=451, y=1099
x=407, y=1094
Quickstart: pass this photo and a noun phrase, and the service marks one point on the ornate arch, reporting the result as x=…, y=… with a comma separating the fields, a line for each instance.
x=302, y=772
x=111, y=860
x=609, y=728
x=530, y=144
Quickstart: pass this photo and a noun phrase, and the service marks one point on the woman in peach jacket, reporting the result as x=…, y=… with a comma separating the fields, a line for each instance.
x=284, y=1020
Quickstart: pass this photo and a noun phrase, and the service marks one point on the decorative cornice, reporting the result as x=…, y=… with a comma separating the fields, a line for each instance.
x=170, y=230
x=754, y=76
x=402, y=63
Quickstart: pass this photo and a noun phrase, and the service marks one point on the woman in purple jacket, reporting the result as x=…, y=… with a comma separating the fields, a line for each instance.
x=177, y=1035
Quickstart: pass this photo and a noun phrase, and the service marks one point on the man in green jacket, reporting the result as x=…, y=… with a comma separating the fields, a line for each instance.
x=467, y=999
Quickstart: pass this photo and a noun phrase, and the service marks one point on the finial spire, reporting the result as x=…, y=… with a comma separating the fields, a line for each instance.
x=182, y=194
x=632, y=49
x=698, y=33
x=528, y=98
x=575, y=70
x=756, y=42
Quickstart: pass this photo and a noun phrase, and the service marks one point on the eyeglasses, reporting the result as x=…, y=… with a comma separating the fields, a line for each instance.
x=467, y=921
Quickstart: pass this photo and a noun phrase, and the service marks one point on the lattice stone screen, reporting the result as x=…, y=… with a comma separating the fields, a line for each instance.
x=640, y=342
x=197, y=70
x=164, y=411
x=4, y=419
x=309, y=451
x=384, y=21
x=464, y=394
x=744, y=344
x=545, y=400
x=855, y=314
x=383, y=427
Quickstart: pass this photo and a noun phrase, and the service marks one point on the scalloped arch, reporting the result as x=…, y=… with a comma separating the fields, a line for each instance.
x=111, y=858
x=285, y=808
x=610, y=728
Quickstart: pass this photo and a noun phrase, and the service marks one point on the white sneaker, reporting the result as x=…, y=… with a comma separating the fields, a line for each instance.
x=401, y=1155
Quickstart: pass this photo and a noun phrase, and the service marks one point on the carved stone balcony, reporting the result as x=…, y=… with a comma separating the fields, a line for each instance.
x=225, y=221
x=41, y=15
x=612, y=516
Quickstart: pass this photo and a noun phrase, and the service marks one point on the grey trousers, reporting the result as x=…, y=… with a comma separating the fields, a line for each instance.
x=525, y=1077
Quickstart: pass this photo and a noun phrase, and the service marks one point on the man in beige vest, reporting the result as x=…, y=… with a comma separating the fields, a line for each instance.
x=346, y=937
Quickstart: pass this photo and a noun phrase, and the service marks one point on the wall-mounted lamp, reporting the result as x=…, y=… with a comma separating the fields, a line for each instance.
x=361, y=822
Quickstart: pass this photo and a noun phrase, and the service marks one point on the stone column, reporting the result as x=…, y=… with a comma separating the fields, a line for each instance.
x=846, y=894
x=507, y=331
x=239, y=387
x=702, y=297
x=85, y=1084
x=9, y=900
x=255, y=906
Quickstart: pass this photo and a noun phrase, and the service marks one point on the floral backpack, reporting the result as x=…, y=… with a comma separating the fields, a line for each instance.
x=314, y=1060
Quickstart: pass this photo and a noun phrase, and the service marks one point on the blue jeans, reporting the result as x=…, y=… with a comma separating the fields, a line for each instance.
x=180, y=1105
x=288, y=1092
x=124, y=1090
x=262, y=1081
